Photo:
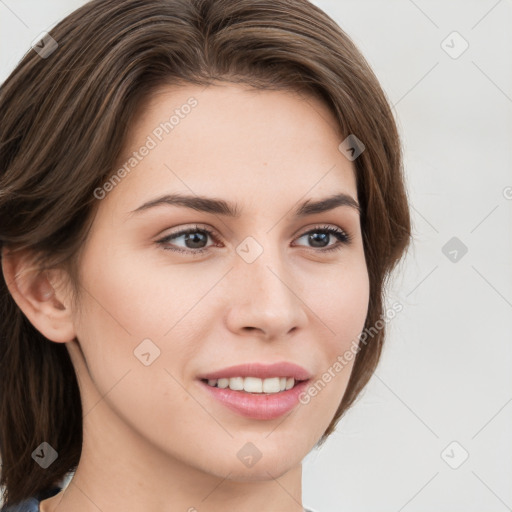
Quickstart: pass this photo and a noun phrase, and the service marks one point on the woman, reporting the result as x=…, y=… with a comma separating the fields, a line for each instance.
x=200, y=201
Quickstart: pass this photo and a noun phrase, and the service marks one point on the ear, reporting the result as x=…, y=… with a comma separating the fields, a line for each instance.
x=46, y=305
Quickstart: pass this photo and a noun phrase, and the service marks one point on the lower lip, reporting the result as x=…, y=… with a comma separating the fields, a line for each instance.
x=259, y=406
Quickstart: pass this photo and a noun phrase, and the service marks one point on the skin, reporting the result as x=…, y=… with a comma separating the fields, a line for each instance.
x=153, y=439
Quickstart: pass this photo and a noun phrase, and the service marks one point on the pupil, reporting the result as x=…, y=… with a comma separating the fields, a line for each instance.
x=322, y=236
x=193, y=237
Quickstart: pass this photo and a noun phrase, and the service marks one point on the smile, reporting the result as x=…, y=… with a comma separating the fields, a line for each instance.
x=256, y=405
x=254, y=384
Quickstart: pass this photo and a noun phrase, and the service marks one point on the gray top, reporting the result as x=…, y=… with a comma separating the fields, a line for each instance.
x=32, y=504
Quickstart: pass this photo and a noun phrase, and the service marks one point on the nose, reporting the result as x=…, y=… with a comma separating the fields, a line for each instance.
x=265, y=298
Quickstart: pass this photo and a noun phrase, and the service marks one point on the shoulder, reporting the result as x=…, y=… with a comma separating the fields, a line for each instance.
x=28, y=505
x=31, y=504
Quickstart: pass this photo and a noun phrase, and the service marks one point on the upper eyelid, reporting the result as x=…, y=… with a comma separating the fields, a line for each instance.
x=193, y=227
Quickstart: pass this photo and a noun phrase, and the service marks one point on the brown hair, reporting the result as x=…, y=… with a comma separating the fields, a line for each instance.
x=64, y=120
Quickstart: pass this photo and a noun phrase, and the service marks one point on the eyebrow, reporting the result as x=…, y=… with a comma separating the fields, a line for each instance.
x=222, y=207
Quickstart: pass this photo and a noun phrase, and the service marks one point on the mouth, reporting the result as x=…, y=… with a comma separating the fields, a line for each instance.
x=253, y=403
x=257, y=390
x=255, y=385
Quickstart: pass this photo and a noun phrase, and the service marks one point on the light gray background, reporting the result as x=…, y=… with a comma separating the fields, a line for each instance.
x=445, y=375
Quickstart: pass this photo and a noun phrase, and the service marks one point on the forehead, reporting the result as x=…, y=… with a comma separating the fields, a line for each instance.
x=232, y=140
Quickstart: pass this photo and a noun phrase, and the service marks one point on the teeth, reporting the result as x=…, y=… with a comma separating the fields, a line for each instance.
x=223, y=383
x=251, y=384
x=254, y=385
x=271, y=385
x=236, y=383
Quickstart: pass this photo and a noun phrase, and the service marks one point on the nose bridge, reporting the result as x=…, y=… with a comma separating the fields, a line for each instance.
x=262, y=268
x=264, y=296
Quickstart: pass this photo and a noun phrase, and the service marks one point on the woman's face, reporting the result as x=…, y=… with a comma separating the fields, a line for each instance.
x=267, y=286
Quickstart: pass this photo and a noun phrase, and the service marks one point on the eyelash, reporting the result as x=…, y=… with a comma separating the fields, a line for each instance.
x=342, y=236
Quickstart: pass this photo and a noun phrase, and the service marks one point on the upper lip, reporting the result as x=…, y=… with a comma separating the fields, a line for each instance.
x=260, y=370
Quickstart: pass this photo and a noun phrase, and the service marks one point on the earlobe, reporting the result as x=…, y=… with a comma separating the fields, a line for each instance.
x=36, y=296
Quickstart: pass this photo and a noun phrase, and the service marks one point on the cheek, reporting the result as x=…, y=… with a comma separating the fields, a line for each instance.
x=130, y=300
x=126, y=304
x=353, y=306
x=139, y=296
x=342, y=308
x=342, y=305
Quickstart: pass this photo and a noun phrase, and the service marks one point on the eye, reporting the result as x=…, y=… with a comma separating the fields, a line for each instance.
x=320, y=237
x=195, y=239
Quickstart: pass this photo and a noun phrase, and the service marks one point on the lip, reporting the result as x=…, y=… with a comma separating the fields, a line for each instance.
x=259, y=406
x=261, y=371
